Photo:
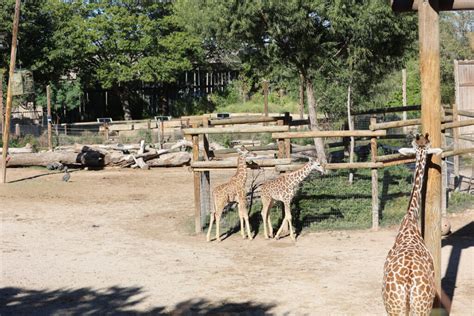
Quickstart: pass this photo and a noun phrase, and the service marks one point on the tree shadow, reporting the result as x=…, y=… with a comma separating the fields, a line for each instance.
x=41, y=175
x=111, y=301
x=461, y=239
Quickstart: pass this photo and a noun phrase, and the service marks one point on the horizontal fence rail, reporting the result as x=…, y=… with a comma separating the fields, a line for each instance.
x=311, y=134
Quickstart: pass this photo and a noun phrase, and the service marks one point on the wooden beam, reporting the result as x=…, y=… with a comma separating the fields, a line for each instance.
x=402, y=123
x=233, y=163
x=312, y=134
x=235, y=129
x=8, y=110
x=244, y=120
x=333, y=166
x=374, y=180
x=428, y=28
x=444, y=5
x=389, y=110
x=1, y=99
x=249, y=148
x=457, y=124
x=460, y=112
x=457, y=152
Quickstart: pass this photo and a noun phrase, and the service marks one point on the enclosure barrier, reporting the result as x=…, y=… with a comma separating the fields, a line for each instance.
x=283, y=134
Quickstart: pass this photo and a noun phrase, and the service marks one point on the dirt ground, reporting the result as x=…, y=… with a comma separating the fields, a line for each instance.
x=121, y=242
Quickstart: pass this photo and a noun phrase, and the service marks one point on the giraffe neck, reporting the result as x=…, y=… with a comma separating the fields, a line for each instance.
x=410, y=220
x=240, y=176
x=299, y=175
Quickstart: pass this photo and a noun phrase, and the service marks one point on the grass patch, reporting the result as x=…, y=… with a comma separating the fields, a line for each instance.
x=328, y=202
x=459, y=201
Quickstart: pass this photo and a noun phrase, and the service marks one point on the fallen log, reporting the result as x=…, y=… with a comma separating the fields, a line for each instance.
x=22, y=150
x=85, y=159
x=139, y=162
x=171, y=160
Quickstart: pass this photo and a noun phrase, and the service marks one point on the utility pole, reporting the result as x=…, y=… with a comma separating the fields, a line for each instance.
x=8, y=112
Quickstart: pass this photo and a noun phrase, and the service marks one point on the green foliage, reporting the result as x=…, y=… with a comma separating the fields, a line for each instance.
x=64, y=94
x=116, y=44
x=18, y=142
x=459, y=201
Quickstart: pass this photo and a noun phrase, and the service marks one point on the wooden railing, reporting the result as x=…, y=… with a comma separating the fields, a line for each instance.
x=282, y=133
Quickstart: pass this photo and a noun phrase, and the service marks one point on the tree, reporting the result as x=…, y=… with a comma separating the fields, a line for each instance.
x=315, y=38
x=454, y=42
x=118, y=44
x=35, y=39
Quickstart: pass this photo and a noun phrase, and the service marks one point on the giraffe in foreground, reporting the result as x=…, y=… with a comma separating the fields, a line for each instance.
x=283, y=189
x=231, y=191
x=408, y=281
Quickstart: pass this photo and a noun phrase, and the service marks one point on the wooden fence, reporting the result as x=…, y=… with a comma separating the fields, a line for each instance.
x=282, y=133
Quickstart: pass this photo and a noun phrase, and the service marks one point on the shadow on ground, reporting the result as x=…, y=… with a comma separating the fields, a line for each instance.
x=111, y=301
x=461, y=239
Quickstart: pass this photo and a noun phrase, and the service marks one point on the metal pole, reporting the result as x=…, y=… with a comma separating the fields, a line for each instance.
x=6, y=127
x=49, y=118
x=404, y=95
x=265, y=97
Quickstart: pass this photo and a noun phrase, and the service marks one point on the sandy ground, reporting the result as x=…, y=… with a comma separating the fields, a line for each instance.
x=121, y=242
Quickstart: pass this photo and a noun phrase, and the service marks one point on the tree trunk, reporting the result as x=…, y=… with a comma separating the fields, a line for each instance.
x=318, y=142
x=124, y=102
x=301, y=101
x=1, y=100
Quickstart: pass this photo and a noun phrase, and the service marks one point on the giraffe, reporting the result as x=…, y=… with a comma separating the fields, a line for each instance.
x=231, y=191
x=283, y=189
x=408, y=281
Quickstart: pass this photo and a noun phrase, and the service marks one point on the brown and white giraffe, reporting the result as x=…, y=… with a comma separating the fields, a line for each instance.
x=408, y=281
x=232, y=191
x=283, y=189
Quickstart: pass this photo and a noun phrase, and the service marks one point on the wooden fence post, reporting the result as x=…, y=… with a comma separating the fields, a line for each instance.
x=1, y=100
x=205, y=189
x=457, y=182
x=428, y=30
x=287, y=122
x=375, y=180
x=197, y=187
x=8, y=109
x=197, y=183
x=281, y=142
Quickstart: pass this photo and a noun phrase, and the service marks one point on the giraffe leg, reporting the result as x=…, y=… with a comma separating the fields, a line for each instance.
x=241, y=217
x=208, y=238
x=265, y=207
x=218, y=223
x=244, y=213
x=288, y=219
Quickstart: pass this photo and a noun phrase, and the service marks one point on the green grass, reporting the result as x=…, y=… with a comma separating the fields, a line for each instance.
x=329, y=202
x=459, y=201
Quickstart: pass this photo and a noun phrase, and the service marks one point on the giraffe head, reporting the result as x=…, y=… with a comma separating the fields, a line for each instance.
x=421, y=147
x=244, y=152
x=316, y=165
